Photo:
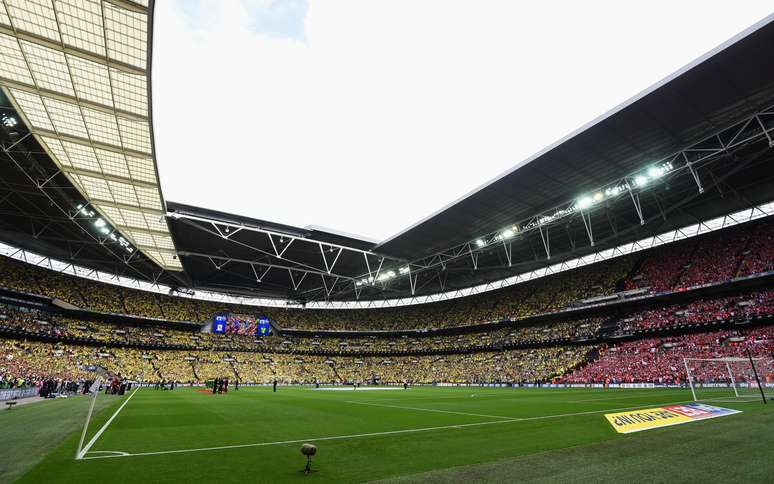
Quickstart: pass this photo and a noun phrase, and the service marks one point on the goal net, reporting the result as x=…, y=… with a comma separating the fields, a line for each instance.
x=730, y=378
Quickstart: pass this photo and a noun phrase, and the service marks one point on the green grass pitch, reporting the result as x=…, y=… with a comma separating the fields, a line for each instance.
x=424, y=434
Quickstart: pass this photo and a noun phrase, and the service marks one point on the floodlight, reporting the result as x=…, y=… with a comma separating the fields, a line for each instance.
x=9, y=121
x=598, y=197
x=403, y=270
x=655, y=172
x=507, y=234
x=640, y=180
x=99, y=223
x=480, y=243
x=585, y=202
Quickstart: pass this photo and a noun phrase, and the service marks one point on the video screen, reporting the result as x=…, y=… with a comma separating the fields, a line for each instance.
x=219, y=323
x=264, y=326
x=241, y=324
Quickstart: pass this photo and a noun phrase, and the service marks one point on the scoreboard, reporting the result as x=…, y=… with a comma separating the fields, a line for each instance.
x=227, y=323
x=264, y=326
x=219, y=323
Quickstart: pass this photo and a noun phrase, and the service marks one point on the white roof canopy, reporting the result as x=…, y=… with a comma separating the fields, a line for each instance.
x=77, y=72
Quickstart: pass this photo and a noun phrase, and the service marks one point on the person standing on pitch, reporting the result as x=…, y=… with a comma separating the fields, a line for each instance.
x=275, y=386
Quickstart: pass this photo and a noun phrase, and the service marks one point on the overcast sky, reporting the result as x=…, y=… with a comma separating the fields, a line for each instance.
x=368, y=116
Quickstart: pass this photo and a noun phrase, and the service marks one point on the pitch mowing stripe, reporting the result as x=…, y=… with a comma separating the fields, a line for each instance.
x=628, y=397
x=506, y=395
x=119, y=454
x=427, y=410
x=104, y=427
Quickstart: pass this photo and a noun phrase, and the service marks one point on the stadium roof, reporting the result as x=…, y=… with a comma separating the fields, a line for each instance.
x=78, y=75
x=694, y=146
x=710, y=93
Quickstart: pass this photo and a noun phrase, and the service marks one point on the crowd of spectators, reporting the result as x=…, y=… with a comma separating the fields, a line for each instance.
x=37, y=362
x=722, y=255
x=476, y=359
x=718, y=256
x=523, y=300
x=26, y=323
x=742, y=306
x=661, y=267
x=759, y=255
x=661, y=360
x=542, y=295
x=39, y=323
x=34, y=323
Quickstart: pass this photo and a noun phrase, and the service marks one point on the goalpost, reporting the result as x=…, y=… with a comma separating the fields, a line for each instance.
x=730, y=378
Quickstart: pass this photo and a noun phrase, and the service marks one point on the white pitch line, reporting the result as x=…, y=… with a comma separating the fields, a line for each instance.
x=372, y=434
x=336, y=437
x=427, y=409
x=104, y=427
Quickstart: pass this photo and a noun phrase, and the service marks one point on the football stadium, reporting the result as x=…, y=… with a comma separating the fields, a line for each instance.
x=603, y=311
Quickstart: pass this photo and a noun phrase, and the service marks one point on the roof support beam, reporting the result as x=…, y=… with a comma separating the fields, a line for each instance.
x=253, y=263
x=636, y=202
x=545, y=239
x=70, y=99
x=38, y=39
x=587, y=223
x=104, y=242
x=685, y=161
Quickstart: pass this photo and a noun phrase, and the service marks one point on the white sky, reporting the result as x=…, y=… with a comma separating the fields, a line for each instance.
x=367, y=116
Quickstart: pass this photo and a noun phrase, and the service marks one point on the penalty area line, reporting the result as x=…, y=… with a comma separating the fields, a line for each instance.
x=86, y=448
x=117, y=454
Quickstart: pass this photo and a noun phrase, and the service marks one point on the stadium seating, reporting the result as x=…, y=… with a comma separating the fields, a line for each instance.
x=714, y=257
x=740, y=306
x=523, y=300
x=40, y=324
x=35, y=361
x=40, y=346
x=660, y=360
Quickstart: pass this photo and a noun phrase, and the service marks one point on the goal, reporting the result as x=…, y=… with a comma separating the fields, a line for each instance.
x=730, y=379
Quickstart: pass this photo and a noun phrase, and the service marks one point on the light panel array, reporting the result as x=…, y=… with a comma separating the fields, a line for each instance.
x=77, y=72
x=637, y=181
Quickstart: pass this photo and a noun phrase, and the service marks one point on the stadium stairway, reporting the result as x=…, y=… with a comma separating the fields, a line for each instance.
x=620, y=285
x=745, y=249
x=156, y=369
x=336, y=373
x=193, y=369
x=608, y=327
x=234, y=369
x=688, y=262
